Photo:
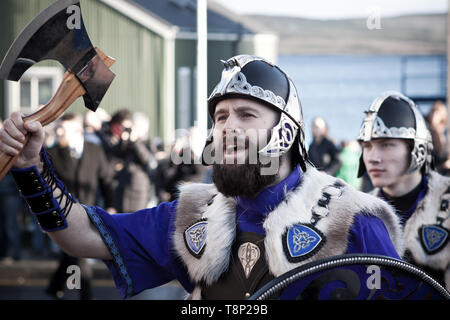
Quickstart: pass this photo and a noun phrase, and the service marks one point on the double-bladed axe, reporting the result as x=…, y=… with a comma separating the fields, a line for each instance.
x=53, y=35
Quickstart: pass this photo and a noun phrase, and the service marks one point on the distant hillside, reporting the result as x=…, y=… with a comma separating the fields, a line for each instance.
x=415, y=34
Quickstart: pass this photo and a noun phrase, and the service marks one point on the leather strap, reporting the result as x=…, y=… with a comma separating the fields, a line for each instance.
x=37, y=189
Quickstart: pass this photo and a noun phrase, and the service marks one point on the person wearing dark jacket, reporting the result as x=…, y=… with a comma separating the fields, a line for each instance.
x=322, y=152
x=130, y=155
x=10, y=208
x=84, y=168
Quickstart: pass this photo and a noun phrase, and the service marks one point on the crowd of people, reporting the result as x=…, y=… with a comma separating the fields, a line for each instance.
x=109, y=161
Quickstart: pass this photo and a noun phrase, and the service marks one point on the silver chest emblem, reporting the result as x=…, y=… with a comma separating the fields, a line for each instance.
x=248, y=254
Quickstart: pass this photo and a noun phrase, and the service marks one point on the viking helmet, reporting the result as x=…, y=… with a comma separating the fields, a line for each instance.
x=393, y=115
x=252, y=77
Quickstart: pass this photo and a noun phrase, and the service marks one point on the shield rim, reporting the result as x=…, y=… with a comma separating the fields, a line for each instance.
x=281, y=282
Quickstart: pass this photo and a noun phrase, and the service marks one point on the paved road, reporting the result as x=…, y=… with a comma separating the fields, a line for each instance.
x=99, y=292
x=38, y=293
x=27, y=280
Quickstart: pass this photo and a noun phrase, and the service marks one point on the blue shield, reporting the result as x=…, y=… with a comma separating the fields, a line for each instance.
x=433, y=238
x=301, y=241
x=195, y=238
x=354, y=277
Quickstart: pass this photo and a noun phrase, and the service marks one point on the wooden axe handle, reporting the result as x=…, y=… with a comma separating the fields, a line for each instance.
x=68, y=91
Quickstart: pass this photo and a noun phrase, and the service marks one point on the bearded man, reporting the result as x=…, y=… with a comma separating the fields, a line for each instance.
x=268, y=211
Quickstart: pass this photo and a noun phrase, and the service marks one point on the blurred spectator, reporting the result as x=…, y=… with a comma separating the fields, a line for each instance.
x=349, y=156
x=140, y=134
x=10, y=210
x=11, y=207
x=130, y=153
x=41, y=244
x=322, y=152
x=159, y=175
x=93, y=123
x=83, y=167
x=170, y=175
x=437, y=124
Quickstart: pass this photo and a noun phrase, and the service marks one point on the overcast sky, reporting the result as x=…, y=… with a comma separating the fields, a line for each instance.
x=335, y=9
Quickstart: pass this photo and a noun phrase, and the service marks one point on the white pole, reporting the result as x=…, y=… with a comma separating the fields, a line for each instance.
x=202, y=73
x=448, y=77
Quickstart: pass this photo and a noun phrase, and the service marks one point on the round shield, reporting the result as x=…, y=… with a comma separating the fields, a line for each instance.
x=354, y=277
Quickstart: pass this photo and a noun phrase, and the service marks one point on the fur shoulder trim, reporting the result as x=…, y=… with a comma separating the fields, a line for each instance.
x=426, y=213
x=195, y=204
x=336, y=222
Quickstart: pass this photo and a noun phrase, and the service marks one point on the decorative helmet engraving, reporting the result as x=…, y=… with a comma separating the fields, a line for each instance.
x=255, y=78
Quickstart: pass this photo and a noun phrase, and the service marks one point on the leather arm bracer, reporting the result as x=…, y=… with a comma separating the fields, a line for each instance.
x=38, y=190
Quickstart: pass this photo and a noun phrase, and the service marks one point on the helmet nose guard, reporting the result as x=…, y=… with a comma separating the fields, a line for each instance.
x=255, y=78
x=393, y=115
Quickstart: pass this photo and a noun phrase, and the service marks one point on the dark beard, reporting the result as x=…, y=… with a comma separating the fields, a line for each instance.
x=240, y=179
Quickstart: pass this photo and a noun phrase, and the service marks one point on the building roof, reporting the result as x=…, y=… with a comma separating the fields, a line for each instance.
x=183, y=15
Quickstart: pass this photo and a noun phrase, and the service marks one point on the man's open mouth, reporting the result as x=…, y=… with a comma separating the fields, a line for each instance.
x=232, y=145
x=230, y=149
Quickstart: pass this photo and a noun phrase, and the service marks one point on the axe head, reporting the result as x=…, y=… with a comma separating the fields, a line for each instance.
x=58, y=33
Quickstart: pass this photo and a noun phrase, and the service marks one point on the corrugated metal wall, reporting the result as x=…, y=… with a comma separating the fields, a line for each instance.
x=139, y=52
x=140, y=68
x=14, y=16
x=140, y=56
x=185, y=55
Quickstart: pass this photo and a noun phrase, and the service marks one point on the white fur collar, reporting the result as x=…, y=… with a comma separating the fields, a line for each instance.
x=296, y=208
x=220, y=216
x=336, y=225
x=426, y=214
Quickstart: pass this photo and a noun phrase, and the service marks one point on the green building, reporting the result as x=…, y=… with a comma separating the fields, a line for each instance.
x=154, y=43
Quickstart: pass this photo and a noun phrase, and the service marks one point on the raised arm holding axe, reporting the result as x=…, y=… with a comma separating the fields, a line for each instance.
x=52, y=35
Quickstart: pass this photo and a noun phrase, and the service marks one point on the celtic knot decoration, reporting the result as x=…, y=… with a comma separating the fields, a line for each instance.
x=302, y=240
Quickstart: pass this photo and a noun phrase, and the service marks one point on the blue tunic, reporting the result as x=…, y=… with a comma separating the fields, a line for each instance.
x=144, y=258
